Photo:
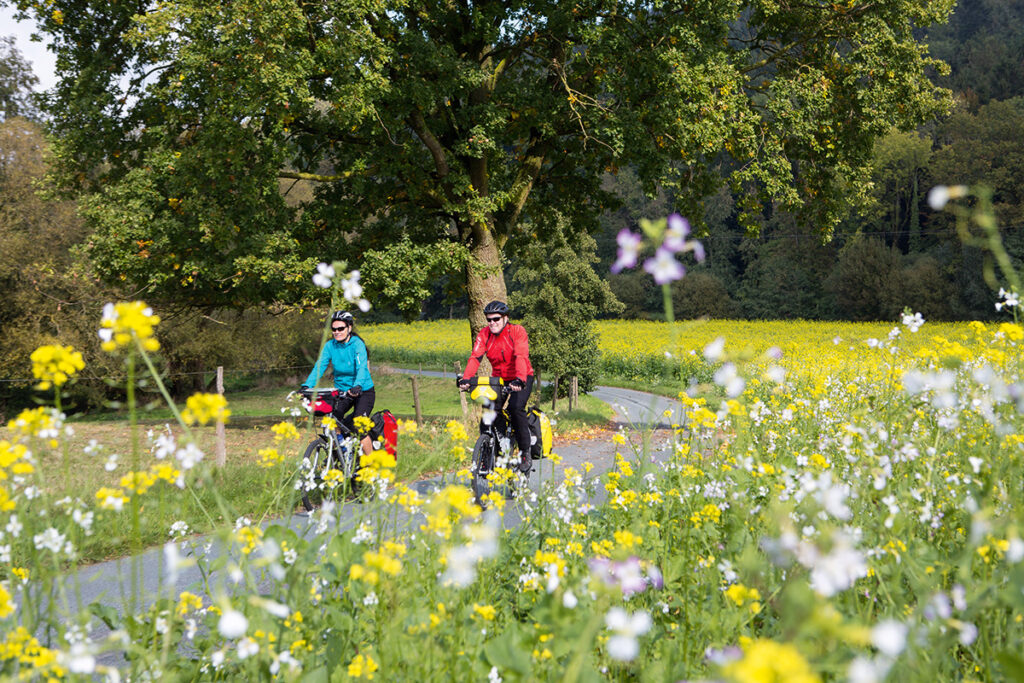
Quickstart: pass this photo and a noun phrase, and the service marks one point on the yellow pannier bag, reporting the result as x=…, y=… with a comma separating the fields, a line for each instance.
x=541, y=436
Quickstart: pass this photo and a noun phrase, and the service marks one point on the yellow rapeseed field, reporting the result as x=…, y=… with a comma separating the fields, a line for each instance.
x=641, y=350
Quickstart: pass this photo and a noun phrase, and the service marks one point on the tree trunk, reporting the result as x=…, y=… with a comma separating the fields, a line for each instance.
x=485, y=281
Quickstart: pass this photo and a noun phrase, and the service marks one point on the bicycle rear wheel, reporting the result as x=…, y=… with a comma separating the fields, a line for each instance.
x=320, y=460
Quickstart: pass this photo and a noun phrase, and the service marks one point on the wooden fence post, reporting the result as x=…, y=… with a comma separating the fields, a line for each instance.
x=574, y=393
x=416, y=400
x=554, y=394
x=222, y=450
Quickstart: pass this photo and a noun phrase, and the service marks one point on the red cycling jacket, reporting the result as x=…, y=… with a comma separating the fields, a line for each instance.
x=508, y=351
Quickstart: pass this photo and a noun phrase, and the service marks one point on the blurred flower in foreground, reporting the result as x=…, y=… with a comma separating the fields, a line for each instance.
x=55, y=365
x=623, y=644
x=1008, y=299
x=663, y=267
x=631, y=575
x=629, y=250
x=940, y=195
x=127, y=320
x=766, y=660
x=204, y=408
x=324, y=275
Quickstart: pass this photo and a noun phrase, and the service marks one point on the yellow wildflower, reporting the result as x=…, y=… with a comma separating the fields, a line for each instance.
x=456, y=430
x=166, y=471
x=376, y=465
x=41, y=422
x=188, y=602
x=7, y=603
x=485, y=612
x=111, y=499
x=269, y=457
x=709, y=513
x=203, y=408
x=284, y=431
x=362, y=424
x=137, y=482
x=362, y=666
x=126, y=321
x=626, y=539
x=766, y=660
x=1012, y=331
x=248, y=537
x=741, y=595
x=55, y=365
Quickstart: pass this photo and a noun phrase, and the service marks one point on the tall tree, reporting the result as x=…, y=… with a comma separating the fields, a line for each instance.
x=16, y=82
x=450, y=122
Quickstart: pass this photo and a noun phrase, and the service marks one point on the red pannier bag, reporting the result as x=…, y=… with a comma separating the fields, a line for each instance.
x=324, y=404
x=385, y=428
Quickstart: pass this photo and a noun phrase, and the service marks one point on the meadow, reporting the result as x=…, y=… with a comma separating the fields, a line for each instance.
x=835, y=503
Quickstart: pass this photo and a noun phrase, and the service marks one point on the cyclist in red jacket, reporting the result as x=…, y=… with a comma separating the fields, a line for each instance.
x=507, y=347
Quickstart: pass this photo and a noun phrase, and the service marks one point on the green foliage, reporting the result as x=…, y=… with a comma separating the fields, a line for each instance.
x=451, y=124
x=404, y=275
x=636, y=292
x=16, y=82
x=866, y=281
x=46, y=296
x=701, y=295
x=927, y=289
x=982, y=43
x=784, y=279
x=559, y=297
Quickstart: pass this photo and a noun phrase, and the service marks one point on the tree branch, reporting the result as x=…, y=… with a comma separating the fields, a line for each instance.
x=317, y=177
x=419, y=126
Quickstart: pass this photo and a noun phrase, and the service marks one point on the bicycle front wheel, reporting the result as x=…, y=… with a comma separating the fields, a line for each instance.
x=483, y=464
x=319, y=456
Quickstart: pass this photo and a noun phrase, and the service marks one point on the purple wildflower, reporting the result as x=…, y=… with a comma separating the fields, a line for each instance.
x=629, y=250
x=664, y=267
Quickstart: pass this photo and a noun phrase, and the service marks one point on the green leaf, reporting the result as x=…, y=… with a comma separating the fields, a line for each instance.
x=107, y=614
x=1012, y=665
x=509, y=652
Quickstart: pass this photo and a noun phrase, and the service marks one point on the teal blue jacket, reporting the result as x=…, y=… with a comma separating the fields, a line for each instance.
x=348, y=361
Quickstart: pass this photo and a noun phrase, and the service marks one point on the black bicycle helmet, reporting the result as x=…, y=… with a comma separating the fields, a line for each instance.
x=498, y=307
x=343, y=316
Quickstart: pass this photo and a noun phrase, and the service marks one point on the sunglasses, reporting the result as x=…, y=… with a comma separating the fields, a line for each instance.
x=339, y=329
x=494, y=320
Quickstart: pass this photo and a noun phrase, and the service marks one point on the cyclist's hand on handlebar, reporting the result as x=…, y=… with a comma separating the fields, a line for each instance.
x=462, y=383
x=516, y=385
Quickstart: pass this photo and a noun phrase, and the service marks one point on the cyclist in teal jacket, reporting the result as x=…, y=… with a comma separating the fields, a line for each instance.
x=345, y=353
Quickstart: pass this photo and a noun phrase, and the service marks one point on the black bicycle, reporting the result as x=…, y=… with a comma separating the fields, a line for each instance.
x=332, y=449
x=495, y=454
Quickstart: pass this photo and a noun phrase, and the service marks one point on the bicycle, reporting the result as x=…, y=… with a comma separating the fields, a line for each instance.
x=496, y=453
x=332, y=449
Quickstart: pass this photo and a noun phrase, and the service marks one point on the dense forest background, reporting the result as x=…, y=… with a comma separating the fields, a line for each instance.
x=890, y=252
x=894, y=251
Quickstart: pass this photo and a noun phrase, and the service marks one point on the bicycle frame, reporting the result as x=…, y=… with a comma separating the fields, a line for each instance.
x=494, y=447
x=329, y=450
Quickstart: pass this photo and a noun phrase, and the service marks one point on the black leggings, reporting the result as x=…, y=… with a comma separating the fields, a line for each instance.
x=517, y=414
x=361, y=405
